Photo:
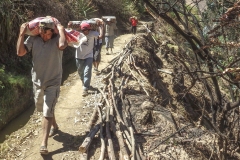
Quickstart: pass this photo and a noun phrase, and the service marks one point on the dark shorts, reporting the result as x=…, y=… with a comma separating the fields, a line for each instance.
x=97, y=53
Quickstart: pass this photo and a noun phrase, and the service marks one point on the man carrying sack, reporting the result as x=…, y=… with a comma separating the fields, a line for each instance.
x=47, y=50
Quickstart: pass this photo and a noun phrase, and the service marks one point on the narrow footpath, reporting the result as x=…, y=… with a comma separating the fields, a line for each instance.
x=72, y=114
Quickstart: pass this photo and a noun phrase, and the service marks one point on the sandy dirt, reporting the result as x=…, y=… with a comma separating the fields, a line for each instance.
x=72, y=114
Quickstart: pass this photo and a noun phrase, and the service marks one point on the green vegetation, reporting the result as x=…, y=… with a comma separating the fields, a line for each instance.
x=83, y=9
x=129, y=9
x=11, y=88
x=9, y=13
x=12, y=15
x=11, y=83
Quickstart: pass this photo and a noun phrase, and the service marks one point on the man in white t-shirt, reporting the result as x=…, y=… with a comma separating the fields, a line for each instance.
x=84, y=55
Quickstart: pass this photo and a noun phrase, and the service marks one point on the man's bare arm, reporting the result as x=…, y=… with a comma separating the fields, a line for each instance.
x=62, y=44
x=21, y=50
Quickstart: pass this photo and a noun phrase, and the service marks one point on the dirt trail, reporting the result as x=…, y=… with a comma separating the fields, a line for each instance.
x=72, y=115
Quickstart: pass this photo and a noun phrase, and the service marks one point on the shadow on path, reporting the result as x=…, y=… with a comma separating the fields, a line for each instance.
x=69, y=143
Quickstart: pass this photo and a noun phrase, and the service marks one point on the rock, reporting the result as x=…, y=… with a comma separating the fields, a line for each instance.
x=147, y=105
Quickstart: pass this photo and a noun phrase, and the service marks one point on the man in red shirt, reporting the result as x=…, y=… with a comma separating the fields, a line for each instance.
x=133, y=20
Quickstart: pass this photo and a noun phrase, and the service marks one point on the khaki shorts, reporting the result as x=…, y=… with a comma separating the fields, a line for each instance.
x=45, y=99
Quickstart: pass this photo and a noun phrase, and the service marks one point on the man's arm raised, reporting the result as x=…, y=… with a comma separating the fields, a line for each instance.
x=21, y=50
x=62, y=44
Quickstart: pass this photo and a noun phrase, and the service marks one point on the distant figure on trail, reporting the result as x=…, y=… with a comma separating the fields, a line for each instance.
x=98, y=45
x=84, y=55
x=47, y=50
x=109, y=35
x=134, y=21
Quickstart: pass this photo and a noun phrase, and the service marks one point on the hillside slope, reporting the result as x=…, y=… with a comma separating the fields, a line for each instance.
x=144, y=104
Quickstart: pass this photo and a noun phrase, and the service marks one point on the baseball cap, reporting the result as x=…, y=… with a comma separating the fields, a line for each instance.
x=85, y=26
x=47, y=23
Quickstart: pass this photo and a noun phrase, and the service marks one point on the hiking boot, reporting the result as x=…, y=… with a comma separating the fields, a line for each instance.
x=84, y=93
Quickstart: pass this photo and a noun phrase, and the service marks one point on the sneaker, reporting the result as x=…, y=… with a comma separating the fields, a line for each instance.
x=96, y=71
x=107, y=53
x=84, y=93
